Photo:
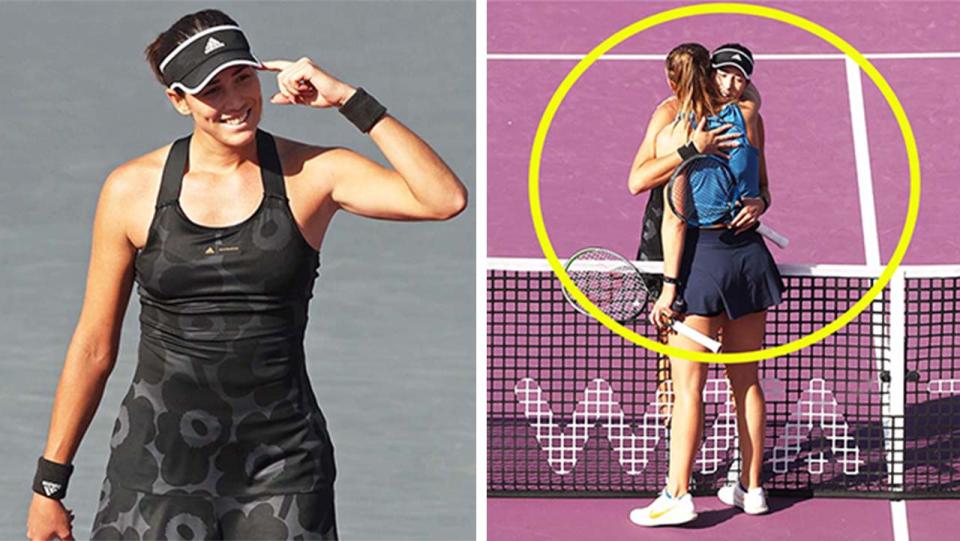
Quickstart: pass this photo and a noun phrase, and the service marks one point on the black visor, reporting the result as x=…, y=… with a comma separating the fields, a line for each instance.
x=196, y=61
x=733, y=57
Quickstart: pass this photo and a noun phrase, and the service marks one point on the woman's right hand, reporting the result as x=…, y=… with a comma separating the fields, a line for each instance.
x=303, y=82
x=662, y=313
x=48, y=519
x=713, y=141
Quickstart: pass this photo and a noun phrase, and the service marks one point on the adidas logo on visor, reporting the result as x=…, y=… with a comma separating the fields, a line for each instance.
x=50, y=487
x=212, y=45
x=734, y=57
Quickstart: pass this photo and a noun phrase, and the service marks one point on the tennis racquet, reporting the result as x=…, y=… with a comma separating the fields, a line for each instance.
x=616, y=287
x=702, y=191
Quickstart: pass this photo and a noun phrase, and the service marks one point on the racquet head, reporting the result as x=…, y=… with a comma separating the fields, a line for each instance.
x=616, y=287
x=611, y=283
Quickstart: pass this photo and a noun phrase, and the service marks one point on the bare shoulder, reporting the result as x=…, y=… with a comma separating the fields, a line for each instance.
x=129, y=194
x=751, y=95
x=309, y=171
x=298, y=158
x=662, y=116
x=138, y=178
x=668, y=103
x=750, y=110
x=667, y=137
x=667, y=108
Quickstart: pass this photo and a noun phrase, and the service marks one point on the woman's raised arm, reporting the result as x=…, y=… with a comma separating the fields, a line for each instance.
x=419, y=186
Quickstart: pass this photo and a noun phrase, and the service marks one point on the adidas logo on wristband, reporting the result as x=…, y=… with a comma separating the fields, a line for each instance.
x=51, y=478
x=50, y=488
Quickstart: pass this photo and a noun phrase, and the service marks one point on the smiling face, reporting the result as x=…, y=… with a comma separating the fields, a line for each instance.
x=228, y=108
x=731, y=83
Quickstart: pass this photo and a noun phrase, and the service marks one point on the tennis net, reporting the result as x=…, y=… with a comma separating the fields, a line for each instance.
x=873, y=410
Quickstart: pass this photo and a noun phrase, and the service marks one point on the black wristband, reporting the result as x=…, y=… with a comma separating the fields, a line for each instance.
x=688, y=151
x=51, y=479
x=766, y=203
x=363, y=110
x=669, y=280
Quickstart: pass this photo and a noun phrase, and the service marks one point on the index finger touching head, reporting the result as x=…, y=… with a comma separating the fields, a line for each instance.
x=275, y=65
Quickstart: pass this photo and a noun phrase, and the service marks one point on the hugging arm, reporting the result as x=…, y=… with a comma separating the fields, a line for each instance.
x=751, y=94
x=753, y=207
x=764, y=181
x=647, y=170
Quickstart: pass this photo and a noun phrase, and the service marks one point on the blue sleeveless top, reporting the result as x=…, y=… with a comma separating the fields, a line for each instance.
x=745, y=159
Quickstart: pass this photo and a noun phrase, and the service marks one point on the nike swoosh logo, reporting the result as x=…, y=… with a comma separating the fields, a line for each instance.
x=661, y=513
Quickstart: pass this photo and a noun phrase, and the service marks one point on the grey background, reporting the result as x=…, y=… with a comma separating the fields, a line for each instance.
x=390, y=344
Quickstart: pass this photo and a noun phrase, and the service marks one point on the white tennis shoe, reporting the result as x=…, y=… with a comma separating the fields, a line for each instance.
x=665, y=511
x=753, y=501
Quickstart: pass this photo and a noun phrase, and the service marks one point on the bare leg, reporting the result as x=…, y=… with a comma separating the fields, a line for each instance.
x=746, y=334
x=687, y=420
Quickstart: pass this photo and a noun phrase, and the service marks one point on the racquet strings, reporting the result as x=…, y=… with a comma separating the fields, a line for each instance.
x=612, y=284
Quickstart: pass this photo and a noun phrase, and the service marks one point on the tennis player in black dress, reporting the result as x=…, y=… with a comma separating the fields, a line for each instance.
x=220, y=435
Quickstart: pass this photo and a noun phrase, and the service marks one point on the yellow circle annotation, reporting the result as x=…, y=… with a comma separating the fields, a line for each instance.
x=913, y=204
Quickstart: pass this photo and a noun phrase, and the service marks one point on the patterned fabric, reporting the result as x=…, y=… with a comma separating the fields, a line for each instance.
x=744, y=160
x=220, y=403
x=651, y=246
x=132, y=515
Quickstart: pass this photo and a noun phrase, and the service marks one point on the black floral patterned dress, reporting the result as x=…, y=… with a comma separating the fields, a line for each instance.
x=220, y=435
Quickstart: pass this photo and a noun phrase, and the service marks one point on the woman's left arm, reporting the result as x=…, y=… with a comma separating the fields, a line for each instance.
x=764, y=186
x=419, y=186
x=751, y=94
x=752, y=207
x=672, y=235
x=672, y=232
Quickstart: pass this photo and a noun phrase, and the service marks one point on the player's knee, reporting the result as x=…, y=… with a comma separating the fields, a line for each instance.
x=687, y=391
x=743, y=375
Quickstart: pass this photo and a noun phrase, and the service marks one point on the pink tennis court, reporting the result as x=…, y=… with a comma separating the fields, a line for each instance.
x=861, y=438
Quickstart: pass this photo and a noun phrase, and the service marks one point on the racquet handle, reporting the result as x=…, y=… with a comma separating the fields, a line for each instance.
x=774, y=237
x=695, y=335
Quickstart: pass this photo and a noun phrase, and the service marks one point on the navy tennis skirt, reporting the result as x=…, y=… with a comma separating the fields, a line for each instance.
x=723, y=272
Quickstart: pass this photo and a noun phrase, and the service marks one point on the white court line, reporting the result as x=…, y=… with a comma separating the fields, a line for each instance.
x=914, y=56
x=901, y=531
x=773, y=56
x=861, y=150
x=871, y=249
